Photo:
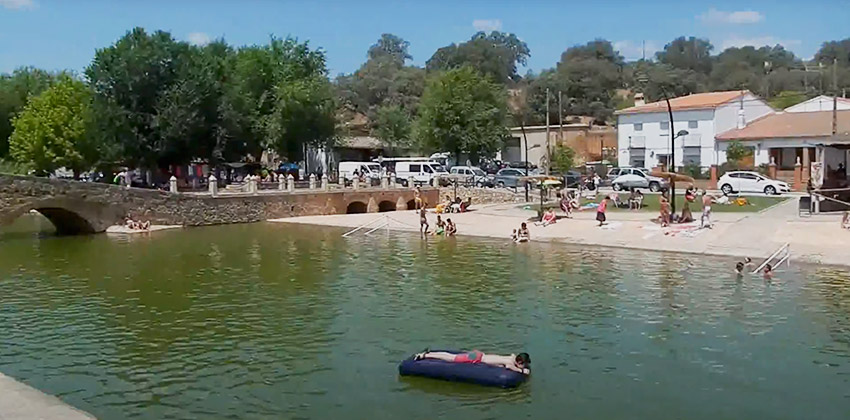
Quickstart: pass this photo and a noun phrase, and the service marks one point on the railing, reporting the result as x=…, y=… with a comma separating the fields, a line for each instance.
x=779, y=255
x=386, y=224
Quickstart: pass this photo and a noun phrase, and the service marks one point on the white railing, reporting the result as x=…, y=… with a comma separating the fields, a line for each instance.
x=384, y=219
x=780, y=256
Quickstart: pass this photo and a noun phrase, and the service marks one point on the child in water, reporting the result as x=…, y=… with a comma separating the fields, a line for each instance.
x=768, y=272
x=739, y=268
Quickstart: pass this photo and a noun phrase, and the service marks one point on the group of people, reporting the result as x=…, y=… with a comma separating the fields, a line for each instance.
x=666, y=217
x=134, y=225
x=447, y=227
x=748, y=264
x=453, y=206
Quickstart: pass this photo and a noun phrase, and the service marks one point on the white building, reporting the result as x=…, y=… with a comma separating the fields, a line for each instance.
x=644, y=133
x=820, y=103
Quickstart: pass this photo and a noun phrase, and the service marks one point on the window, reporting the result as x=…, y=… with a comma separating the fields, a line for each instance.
x=736, y=175
x=751, y=177
x=693, y=124
x=665, y=125
x=639, y=173
x=478, y=172
x=415, y=168
x=427, y=169
x=691, y=156
x=638, y=126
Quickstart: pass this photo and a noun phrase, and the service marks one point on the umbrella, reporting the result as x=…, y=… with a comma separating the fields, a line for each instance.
x=550, y=182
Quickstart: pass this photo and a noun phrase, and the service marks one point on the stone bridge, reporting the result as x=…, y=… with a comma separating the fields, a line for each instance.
x=83, y=207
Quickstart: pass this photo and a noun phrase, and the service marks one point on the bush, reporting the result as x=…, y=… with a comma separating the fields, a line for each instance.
x=13, y=168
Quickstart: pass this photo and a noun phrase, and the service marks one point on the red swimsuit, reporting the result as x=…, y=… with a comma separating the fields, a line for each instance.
x=473, y=356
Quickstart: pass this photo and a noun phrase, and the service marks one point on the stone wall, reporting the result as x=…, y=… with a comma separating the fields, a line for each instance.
x=81, y=207
x=484, y=195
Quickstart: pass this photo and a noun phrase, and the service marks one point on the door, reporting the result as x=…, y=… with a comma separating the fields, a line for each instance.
x=416, y=172
x=425, y=174
x=749, y=183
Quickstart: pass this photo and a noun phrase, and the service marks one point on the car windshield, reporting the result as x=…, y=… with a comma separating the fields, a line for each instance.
x=438, y=168
x=478, y=172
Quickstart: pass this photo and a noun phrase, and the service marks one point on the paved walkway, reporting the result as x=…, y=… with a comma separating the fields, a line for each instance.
x=813, y=239
x=21, y=402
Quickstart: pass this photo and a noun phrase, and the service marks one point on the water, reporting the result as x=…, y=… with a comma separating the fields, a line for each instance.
x=275, y=321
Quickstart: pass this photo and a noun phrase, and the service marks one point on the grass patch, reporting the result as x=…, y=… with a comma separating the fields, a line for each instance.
x=651, y=205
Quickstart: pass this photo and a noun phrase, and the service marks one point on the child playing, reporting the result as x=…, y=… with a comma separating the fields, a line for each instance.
x=600, y=211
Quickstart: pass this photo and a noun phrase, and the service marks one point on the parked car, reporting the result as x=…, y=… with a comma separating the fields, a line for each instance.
x=473, y=176
x=491, y=166
x=613, y=173
x=747, y=181
x=368, y=169
x=421, y=171
x=638, y=178
x=571, y=179
x=509, y=177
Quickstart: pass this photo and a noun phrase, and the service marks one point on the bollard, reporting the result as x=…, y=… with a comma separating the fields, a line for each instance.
x=356, y=183
x=341, y=180
x=281, y=182
x=435, y=181
x=312, y=181
x=290, y=183
x=385, y=182
x=392, y=181
x=255, y=184
x=172, y=184
x=325, y=182
x=410, y=182
x=213, y=184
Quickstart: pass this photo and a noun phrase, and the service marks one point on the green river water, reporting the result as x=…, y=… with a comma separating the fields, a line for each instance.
x=277, y=321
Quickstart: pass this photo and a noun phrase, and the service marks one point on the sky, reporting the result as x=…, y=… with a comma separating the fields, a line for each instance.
x=58, y=35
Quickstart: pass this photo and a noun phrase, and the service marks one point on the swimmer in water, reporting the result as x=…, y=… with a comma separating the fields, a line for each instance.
x=748, y=263
x=739, y=269
x=516, y=362
x=768, y=272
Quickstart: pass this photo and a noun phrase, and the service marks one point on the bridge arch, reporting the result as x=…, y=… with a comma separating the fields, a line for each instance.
x=356, y=207
x=384, y=206
x=69, y=217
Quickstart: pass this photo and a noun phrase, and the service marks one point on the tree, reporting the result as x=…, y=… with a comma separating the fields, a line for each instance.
x=462, y=112
x=589, y=76
x=495, y=55
x=303, y=115
x=52, y=130
x=392, y=127
x=687, y=54
x=834, y=50
x=15, y=91
x=737, y=151
x=563, y=158
x=390, y=47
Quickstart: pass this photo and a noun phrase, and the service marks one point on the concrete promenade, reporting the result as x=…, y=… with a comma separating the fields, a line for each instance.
x=817, y=239
x=21, y=402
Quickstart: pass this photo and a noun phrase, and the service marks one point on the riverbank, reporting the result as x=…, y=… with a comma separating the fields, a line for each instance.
x=21, y=402
x=816, y=239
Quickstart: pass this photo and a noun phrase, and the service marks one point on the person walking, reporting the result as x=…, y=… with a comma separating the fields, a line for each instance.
x=705, y=219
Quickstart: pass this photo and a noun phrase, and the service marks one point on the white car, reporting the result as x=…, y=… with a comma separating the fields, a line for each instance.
x=747, y=181
x=473, y=175
x=637, y=178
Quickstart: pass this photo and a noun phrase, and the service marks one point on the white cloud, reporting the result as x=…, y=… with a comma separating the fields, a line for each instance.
x=633, y=50
x=17, y=4
x=759, y=41
x=487, y=25
x=198, y=38
x=714, y=16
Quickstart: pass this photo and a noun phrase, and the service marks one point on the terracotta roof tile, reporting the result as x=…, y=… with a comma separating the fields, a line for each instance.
x=693, y=101
x=790, y=124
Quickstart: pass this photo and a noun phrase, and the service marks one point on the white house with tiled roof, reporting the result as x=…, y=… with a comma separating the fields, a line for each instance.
x=644, y=132
x=820, y=103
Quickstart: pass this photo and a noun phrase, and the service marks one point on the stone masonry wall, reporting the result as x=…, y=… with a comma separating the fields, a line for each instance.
x=483, y=195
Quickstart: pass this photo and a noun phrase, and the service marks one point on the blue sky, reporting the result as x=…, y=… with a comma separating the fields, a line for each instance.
x=56, y=35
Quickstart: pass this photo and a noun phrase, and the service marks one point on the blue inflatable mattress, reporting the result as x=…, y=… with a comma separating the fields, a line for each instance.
x=476, y=373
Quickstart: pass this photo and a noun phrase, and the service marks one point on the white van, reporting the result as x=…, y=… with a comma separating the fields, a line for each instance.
x=421, y=171
x=368, y=169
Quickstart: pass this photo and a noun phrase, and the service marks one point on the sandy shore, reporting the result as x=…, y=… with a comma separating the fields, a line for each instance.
x=817, y=239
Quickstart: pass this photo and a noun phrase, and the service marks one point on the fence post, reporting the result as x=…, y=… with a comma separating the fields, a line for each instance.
x=312, y=181
x=356, y=183
x=172, y=184
x=325, y=182
x=213, y=185
x=281, y=182
x=290, y=183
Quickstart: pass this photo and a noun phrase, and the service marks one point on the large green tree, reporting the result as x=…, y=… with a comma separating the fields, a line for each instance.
x=15, y=91
x=52, y=131
x=393, y=127
x=462, y=111
x=496, y=55
x=687, y=54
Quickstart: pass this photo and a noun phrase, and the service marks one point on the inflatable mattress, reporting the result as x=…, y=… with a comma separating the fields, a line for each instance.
x=476, y=373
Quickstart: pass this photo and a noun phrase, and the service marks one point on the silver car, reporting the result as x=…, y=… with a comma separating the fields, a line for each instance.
x=639, y=178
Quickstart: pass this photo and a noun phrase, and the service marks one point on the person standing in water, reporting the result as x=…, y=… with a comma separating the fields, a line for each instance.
x=423, y=222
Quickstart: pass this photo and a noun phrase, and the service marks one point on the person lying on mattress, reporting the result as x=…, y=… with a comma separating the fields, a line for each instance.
x=515, y=362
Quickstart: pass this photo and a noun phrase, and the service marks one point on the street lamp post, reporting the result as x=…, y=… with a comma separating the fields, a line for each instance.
x=673, y=165
x=522, y=127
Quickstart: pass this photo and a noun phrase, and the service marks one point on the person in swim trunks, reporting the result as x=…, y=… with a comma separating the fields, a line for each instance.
x=516, y=362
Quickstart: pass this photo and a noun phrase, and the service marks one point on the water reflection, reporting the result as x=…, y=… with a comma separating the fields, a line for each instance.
x=265, y=320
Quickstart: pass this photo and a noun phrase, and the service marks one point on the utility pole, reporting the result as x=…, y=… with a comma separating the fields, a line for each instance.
x=547, y=132
x=560, y=120
x=834, y=98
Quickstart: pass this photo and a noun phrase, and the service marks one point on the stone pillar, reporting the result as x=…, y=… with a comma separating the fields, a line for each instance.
x=712, y=181
x=798, y=176
x=325, y=186
x=771, y=168
x=411, y=183
x=356, y=183
x=392, y=181
x=290, y=183
x=281, y=182
x=385, y=182
x=213, y=185
x=255, y=184
x=400, y=204
x=312, y=181
x=435, y=182
x=341, y=180
x=807, y=165
x=372, y=207
x=172, y=184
